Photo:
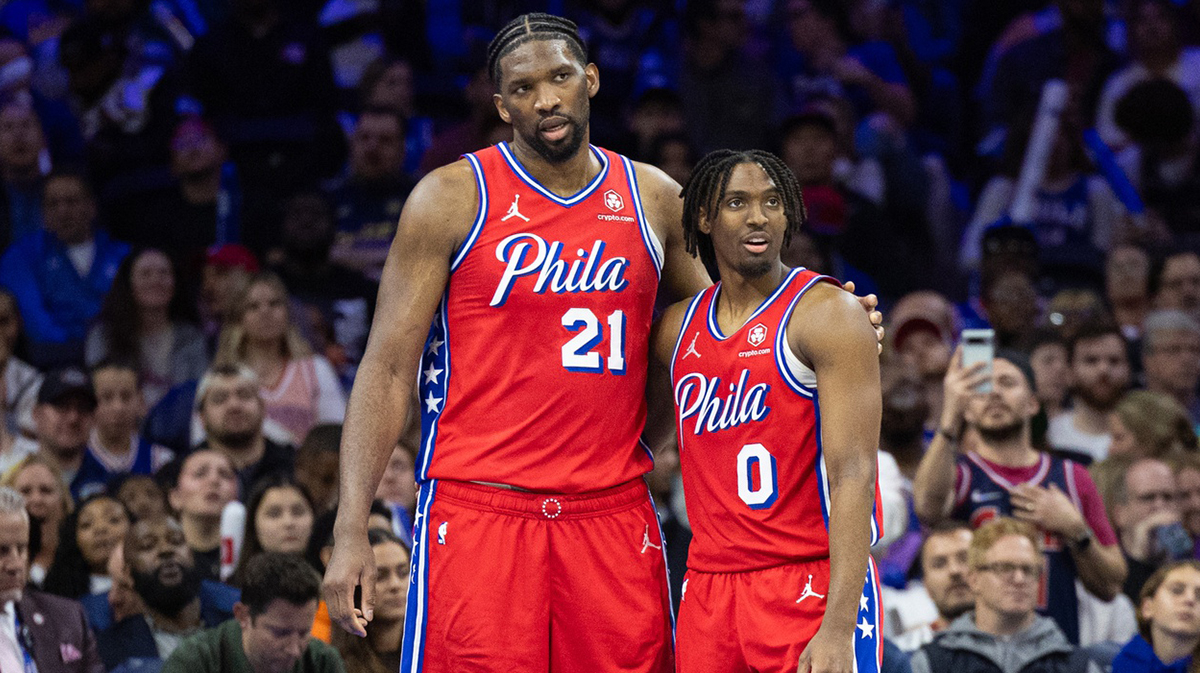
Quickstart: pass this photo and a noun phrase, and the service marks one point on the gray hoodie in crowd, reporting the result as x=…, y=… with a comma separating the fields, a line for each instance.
x=963, y=642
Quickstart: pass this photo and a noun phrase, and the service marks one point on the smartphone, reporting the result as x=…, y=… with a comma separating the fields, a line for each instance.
x=1173, y=540
x=979, y=345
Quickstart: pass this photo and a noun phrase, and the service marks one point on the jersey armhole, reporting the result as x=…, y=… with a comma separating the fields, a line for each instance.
x=654, y=247
x=798, y=376
x=480, y=216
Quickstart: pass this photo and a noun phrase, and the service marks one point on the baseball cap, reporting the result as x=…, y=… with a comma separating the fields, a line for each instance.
x=61, y=384
x=231, y=255
x=913, y=325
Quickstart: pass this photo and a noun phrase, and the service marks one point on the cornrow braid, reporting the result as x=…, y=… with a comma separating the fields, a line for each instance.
x=533, y=26
x=705, y=190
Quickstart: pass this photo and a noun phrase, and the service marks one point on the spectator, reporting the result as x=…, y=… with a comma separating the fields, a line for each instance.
x=264, y=69
x=1002, y=474
x=922, y=329
x=1051, y=373
x=317, y=462
x=656, y=113
x=1147, y=519
x=147, y=321
x=1187, y=477
x=379, y=652
x=179, y=601
x=23, y=161
x=279, y=518
x=202, y=204
x=1127, y=288
x=115, y=441
x=398, y=491
x=673, y=154
x=389, y=82
x=60, y=274
x=48, y=502
x=64, y=416
x=42, y=631
x=1158, y=52
x=21, y=379
x=1153, y=425
x=1177, y=282
x=333, y=304
x=1171, y=357
x=1100, y=375
x=227, y=270
x=1003, y=632
x=299, y=389
x=141, y=495
x=368, y=198
x=205, y=482
x=944, y=571
x=472, y=133
x=270, y=629
x=1168, y=623
x=87, y=538
x=231, y=410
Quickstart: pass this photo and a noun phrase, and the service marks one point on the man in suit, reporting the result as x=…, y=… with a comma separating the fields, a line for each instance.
x=178, y=601
x=36, y=629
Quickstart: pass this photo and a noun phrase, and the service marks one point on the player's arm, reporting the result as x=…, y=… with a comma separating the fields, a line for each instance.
x=683, y=274
x=432, y=225
x=837, y=341
x=660, y=398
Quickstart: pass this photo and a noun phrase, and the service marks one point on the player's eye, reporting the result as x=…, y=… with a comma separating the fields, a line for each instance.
x=735, y=203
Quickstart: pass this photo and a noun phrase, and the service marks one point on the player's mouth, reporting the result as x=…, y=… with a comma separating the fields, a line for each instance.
x=554, y=129
x=757, y=243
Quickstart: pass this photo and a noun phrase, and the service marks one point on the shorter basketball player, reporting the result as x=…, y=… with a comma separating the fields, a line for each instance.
x=781, y=490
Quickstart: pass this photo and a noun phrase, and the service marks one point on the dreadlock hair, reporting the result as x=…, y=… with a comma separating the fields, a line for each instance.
x=529, y=27
x=705, y=190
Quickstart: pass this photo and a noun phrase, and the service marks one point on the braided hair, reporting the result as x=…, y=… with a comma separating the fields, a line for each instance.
x=529, y=27
x=705, y=190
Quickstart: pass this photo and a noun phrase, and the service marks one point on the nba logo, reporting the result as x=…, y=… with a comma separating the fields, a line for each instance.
x=613, y=200
x=757, y=335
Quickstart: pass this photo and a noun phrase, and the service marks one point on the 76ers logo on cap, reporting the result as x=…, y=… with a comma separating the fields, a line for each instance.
x=613, y=200
x=757, y=334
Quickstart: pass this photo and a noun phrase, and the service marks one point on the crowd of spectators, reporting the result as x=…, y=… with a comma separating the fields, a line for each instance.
x=197, y=197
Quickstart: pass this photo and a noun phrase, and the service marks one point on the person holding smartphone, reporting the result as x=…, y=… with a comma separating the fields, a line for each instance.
x=982, y=464
x=1145, y=512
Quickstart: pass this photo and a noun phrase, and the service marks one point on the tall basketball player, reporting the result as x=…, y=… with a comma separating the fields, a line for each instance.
x=777, y=397
x=536, y=544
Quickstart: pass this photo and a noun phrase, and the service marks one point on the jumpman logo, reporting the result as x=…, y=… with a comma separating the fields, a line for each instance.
x=512, y=210
x=808, y=591
x=646, y=543
x=691, y=350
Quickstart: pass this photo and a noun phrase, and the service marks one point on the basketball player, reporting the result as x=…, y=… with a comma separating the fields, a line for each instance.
x=536, y=544
x=781, y=491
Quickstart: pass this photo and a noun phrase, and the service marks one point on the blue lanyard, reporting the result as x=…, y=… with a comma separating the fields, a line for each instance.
x=24, y=641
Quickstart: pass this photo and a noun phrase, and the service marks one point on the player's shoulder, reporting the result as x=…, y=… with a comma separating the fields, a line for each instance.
x=667, y=327
x=456, y=175
x=652, y=180
x=447, y=195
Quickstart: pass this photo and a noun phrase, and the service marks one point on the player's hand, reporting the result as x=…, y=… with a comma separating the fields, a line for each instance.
x=352, y=565
x=869, y=302
x=1048, y=508
x=958, y=388
x=828, y=653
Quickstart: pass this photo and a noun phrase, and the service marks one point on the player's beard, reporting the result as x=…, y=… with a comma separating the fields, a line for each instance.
x=557, y=154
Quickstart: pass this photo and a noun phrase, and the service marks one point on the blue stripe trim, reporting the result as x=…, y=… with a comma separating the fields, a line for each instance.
x=439, y=330
x=822, y=477
x=480, y=217
x=666, y=566
x=715, y=329
x=537, y=186
x=683, y=328
x=643, y=223
x=867, y=651
x=412, y=653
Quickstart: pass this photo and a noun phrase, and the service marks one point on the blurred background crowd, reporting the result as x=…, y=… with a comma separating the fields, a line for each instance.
x=197, y=197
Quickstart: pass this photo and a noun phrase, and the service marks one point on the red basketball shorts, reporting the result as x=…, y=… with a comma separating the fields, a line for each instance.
x=505, y=580
x=762, y=620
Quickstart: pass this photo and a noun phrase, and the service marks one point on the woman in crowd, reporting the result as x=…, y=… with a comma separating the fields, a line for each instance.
x=207, y=482
x=88, y=536
x=145, y=320
x=141, y=494
x=48, y=502
x=379, y=652
x=279, y=518
x=21, y=379
x=1150, y=424
x=300, y=389
x=1168, y=623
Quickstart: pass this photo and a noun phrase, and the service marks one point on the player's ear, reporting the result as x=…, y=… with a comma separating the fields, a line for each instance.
x=703, y=224
x=592, y=74
x=499, y=101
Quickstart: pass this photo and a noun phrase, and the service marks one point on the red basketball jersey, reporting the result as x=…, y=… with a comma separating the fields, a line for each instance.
x=749, y=426
x=534, y=371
